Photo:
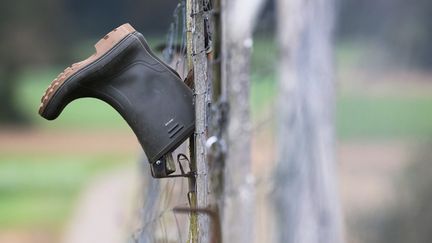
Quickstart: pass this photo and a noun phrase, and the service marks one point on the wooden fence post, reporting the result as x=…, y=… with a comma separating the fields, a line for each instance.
x=197, y=61
x=306, y=202
x=238, y=21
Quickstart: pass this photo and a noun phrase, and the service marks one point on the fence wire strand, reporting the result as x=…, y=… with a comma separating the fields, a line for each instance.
x=158, y=221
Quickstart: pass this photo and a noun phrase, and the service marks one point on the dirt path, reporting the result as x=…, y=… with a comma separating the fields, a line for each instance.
x=81, y=142
x=103, y=210
x=367, y=173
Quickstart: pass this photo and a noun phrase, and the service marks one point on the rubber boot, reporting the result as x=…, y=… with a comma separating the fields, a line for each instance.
x=147, y=93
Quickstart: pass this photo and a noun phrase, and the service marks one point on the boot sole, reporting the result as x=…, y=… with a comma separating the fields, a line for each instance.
x=103, y=46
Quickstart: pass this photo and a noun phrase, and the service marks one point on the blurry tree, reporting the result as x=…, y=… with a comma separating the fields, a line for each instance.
x=30, y=30
x=94, y=18
x=410, y=32
x=152, y=16
x=238, y=22
x=401, y=27
x=363, y=19
x=306, y=202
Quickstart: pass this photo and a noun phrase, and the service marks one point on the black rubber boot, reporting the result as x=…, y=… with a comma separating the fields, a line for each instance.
x=147, y=93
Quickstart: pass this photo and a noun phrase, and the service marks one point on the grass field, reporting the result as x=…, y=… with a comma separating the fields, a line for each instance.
x=82, y=113
x=384, y=117
x=40, y=190
x=361, y=116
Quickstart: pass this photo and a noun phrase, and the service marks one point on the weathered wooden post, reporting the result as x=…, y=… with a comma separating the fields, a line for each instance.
x=238, y=21
x=197, y=61
x=306, y=202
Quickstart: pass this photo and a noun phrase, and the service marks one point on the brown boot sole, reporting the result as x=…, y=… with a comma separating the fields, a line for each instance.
x=102, y=46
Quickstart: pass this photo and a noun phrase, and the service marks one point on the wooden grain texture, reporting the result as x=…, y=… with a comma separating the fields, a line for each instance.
x=199, y=60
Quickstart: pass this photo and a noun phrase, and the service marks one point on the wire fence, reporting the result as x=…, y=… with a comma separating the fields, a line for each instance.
x=158, y=221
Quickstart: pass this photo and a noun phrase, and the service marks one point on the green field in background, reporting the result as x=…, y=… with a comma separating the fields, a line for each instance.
x=358, y=115
x=384, y=117
x=40, y=190
x=365, y=117
x=84, y=113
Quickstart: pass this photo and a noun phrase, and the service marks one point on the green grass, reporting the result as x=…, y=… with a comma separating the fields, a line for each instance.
x=263, y=92
x=358, y=115
x=264, y=66
x=362, y=116
x=384, y=117
x=40, y=190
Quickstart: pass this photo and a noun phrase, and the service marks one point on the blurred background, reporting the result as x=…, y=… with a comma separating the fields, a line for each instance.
x=49, y=170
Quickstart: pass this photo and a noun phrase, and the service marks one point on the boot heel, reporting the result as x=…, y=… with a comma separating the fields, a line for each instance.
x=112, y=38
